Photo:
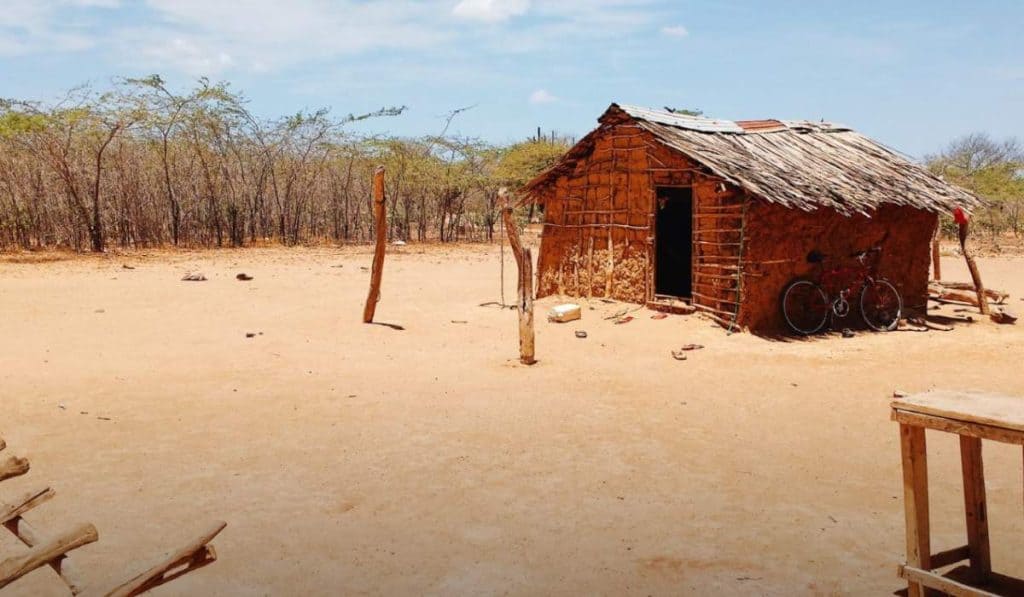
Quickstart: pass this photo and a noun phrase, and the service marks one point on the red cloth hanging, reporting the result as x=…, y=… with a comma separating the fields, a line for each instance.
x=960, y=216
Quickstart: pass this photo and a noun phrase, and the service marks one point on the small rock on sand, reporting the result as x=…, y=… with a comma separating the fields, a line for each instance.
x=194, y=277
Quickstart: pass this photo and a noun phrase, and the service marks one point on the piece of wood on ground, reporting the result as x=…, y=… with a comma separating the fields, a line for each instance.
x=995, y=296
x=13, y=466
x=20, y=506
x=943, y=294
x=15, y=567
x=61, y=565
x=194, y=555
x=1003, y=316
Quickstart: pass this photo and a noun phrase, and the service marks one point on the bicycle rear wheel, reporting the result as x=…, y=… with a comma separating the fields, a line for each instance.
x=881, y=306
x=805, y=307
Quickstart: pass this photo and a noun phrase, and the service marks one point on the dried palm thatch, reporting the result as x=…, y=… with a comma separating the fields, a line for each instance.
x=800, y=165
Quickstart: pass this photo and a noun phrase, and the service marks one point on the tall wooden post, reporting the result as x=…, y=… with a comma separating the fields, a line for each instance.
x=381, y=229
x=936, y=253
x=973, y=267
x=526, y=337
x=524, y=263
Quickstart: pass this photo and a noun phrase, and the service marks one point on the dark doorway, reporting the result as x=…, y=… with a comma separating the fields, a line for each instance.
x=673, y=238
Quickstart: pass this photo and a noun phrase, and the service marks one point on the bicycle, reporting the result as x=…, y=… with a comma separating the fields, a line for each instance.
x=807, y=304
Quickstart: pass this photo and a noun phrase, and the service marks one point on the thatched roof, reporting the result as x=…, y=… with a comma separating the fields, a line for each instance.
x=799, y=164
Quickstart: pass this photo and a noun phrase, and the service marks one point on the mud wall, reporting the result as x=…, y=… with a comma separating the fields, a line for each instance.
x=598, y=219
x=778, y=240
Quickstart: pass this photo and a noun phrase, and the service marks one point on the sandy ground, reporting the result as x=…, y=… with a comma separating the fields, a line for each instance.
x=360, y=459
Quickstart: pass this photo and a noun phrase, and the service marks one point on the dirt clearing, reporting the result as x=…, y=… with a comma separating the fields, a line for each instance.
x=363, y=459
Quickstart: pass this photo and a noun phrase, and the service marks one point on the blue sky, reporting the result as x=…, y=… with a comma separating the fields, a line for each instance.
x=911, y=74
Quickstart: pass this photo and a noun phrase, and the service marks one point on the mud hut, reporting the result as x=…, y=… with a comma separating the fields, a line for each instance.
x=661, y=208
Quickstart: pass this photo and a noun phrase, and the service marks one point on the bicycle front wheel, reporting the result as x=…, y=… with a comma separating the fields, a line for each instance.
x=805, y=307
x=881, y=306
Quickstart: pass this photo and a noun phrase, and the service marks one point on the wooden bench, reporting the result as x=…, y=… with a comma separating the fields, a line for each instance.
x=52, y=550
x=973, y=416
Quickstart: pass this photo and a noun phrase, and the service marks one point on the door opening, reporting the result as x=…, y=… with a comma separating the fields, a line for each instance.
x=673, y=238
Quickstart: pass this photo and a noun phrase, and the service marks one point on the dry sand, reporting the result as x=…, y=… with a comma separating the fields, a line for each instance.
x=359, y=459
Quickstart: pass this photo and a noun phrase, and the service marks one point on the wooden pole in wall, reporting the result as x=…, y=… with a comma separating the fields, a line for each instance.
x=936, y=254
x=973, y=267
x=524, y=264
x=380, y=227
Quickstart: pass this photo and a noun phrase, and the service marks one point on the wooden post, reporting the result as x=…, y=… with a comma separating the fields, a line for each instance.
x=380, y=228
x=975, y=274
x=936, y=253
x=915, y=501
x=611, y=265
x=526, y=337
x=524, y=263
x=975, y=508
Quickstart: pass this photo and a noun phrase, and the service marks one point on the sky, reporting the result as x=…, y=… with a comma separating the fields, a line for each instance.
x=911, y=74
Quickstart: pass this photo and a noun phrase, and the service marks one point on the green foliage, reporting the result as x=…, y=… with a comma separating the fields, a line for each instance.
x=15, y=122
x=992, y=170
x=155, y=165
x=521, y=162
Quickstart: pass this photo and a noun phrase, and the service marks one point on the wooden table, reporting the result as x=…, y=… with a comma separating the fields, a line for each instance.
x=973, y=416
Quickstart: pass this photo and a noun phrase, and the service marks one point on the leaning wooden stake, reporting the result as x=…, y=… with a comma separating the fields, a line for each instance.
x=973, y=267
x=192, y=556
x=524, y=263
x=14, y=568
x=380, y=227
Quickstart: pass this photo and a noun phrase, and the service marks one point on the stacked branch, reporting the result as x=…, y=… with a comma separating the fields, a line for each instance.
x=47, y=549
x=963, y=292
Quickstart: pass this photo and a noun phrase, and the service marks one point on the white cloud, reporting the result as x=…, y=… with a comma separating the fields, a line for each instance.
x=215, y=38
x=542, y=96
x=675, y=31
x=188, y=56
x=28, y=26
x=268, y=35
x=490, y=11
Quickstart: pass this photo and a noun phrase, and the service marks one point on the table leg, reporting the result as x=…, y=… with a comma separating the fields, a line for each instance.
x=915, y=501
x=975, y=507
